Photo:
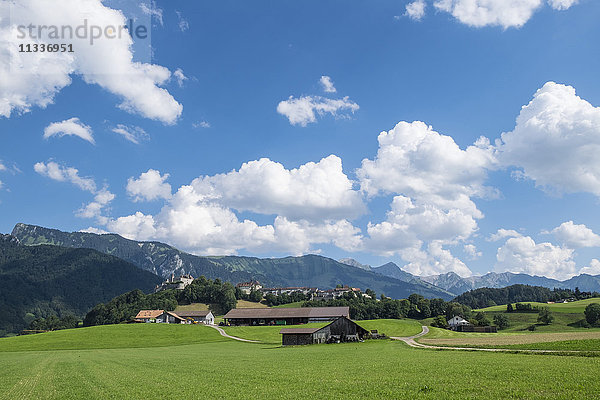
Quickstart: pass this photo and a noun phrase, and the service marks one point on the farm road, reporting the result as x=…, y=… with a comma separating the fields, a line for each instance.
x=224, y=334
x=412, y=343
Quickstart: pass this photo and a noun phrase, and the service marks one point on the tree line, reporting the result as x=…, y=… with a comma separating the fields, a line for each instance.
x=220, y=296
x=487, y=297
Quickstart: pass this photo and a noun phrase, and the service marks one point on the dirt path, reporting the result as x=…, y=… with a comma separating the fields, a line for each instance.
x=412, y=343
x=224, y=334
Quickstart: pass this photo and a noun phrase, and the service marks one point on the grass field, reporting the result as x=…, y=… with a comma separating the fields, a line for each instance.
x=572, y=307
x=216, y=368
x=113, y=337
x=291, y=305
x=192, y=307
x=445, y=337
x=249, y=304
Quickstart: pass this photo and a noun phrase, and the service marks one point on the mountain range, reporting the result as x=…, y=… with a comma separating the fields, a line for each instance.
x=165, y=260
x=457, y=285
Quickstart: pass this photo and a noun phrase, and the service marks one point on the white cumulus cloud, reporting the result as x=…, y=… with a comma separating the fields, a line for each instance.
x=70, y=127
x=30, y=80
x=192, y=222
x=312, y=191
x=151, y=185
x=502, y=234
x=432, y=261
x=556, y=142
x=592, y=269
x=504, y=13
x=524, y=255
x=472, y=252
x=327, y=84
x=576, y=236
x=102, y=197
x=304, y=110
x=416, y=10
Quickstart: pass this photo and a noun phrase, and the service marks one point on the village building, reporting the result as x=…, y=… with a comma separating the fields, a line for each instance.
x=199, y=317
x=288, y=290
x=341, y=330
x=247, y=287
x=159, y=317
x=331, y=294
x=283, y=316
x=457, y=321
x=177, y=283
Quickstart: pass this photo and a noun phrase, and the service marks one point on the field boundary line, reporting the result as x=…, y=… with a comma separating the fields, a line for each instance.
x=412, y=343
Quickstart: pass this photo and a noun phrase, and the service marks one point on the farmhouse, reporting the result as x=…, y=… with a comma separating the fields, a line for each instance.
x=457, y=321
x=201, y=317
x=340, y=330
x=284, y=316
x=159, y=317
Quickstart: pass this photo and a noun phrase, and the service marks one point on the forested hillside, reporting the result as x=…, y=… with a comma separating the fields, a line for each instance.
x=42, y=281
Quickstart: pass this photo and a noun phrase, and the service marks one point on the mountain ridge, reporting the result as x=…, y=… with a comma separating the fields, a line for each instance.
x=164, y=260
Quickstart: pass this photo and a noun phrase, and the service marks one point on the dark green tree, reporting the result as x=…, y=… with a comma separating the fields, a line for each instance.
x=482, y=319
x=509, y=308
x=255, y=296
x=545, y=316
x=501, y=321
x=440, y=322
x=592, y=313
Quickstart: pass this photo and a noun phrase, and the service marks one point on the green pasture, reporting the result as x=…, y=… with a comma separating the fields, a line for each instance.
x=214, y=368
x=571, y=307
x=112, y=337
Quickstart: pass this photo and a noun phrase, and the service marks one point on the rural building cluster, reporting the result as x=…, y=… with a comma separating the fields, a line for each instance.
x=314, y=293
x=169, y=317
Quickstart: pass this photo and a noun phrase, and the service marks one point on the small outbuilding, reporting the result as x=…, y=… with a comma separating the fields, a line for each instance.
x=342, y=329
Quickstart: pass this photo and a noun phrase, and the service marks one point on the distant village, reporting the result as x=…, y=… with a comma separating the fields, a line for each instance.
x=314, y=294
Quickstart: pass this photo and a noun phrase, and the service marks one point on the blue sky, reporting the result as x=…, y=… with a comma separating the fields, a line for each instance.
x=230, y=83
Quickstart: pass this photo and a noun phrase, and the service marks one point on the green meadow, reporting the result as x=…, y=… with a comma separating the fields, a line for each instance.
x=148, y=361
x=571, y=307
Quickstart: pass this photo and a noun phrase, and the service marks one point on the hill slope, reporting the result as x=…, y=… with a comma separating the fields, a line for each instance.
x=47, y=280
x=162, y=259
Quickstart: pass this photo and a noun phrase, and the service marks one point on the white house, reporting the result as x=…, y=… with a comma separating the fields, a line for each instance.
x=202, y=317
x=456, y=322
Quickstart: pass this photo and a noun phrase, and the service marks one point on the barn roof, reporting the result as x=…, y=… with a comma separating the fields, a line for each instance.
x=186, y=314
x=149, y=314
x=304, y=312
x=172, y=314
x=285, y=331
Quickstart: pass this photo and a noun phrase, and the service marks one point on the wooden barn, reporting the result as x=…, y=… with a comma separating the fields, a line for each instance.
x=342, y=329
x=284, y=316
